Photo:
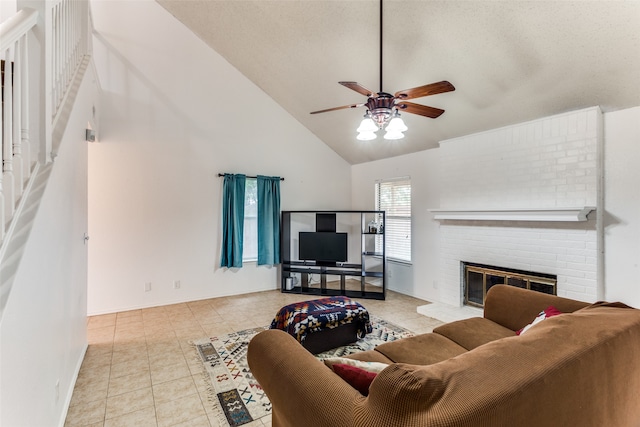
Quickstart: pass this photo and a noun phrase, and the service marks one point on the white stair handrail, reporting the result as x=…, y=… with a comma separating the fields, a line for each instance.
x=17, y=26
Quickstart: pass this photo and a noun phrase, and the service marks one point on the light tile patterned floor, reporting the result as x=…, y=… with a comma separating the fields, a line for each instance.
x=140, y=370
x=448, y=313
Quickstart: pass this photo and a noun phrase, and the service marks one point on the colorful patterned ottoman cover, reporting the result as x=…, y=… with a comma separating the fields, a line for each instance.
x=302, y=318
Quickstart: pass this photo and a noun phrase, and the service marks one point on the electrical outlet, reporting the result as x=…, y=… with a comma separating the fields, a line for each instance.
x=147, y=287
x=57, y=390
x=176, y=284
x=435, y=284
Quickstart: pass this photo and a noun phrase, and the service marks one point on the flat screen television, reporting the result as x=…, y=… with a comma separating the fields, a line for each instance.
x=322, y=247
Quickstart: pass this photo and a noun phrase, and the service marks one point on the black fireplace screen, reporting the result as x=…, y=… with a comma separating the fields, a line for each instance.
x=478, y=279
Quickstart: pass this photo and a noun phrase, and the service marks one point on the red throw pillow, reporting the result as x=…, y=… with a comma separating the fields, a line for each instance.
x=356, y=377
x=552, y=311
x=544, y=314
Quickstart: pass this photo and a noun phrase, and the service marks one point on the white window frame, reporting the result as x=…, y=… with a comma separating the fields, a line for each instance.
x=398, y=215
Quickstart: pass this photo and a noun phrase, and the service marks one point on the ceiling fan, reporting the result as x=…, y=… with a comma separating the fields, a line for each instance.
x=384, y=108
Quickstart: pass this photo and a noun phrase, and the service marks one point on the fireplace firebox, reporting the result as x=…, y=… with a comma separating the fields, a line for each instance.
x=478, y=279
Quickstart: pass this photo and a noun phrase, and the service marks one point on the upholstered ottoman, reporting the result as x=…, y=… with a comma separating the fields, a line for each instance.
x=322, y=324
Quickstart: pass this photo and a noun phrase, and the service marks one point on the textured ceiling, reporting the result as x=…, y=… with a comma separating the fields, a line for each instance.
x=510, y=61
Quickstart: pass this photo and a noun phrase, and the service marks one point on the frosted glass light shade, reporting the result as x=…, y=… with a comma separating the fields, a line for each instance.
x=367, y=125
x=391, y=134
x=366, y=136
x=396, y=125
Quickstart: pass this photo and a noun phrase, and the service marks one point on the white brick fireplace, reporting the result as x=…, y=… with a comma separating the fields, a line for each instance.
x=525, y=197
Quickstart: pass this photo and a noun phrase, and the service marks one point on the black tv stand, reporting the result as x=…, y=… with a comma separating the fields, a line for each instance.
x=362, y=276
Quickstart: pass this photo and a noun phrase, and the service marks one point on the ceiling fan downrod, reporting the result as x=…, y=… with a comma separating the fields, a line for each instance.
x=380, y=46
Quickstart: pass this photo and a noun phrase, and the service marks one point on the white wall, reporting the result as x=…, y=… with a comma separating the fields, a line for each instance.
x=621, y=210
x=174, y=115
x=546, y=163
x=8, y=8
x=43, y=330
x=622, y=206
x=418, y=279
x=550, y=162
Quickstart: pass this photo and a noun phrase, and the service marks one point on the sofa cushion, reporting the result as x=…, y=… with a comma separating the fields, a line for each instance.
x=422, y=349
x=474, y=332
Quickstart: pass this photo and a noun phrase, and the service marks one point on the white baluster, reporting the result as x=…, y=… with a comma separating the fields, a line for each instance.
x=17, y=122
x=54, y=59
x=2, y=221
x=77, y=33
x=65, y=46
x=64, y=27
x=59, y=57
x=7, y=138
x=25, y=146
x=70, y=65
x=70, y=33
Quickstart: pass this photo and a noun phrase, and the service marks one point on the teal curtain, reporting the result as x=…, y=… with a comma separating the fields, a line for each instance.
x=232, y=220
x=268, y=220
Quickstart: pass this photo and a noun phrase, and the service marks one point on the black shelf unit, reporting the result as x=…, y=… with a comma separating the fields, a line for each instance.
x=296, y=274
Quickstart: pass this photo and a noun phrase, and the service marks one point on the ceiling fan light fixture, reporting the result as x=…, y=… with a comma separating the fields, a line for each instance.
x=396, y=124
x=366, y=136
x=393, y=134
x=367, y=125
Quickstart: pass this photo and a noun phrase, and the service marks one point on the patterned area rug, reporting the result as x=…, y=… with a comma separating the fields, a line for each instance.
x=236, y=396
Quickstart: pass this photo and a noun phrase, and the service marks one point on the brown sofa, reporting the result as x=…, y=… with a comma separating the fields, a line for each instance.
x=576, y=369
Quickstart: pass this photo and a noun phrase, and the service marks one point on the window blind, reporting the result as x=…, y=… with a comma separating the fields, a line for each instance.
x=250, y=237
x=394, y=197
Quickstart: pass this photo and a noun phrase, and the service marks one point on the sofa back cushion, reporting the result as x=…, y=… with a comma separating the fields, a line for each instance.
x=515, y=308
x=574, y=369
x=473, y=332
x=423, y=349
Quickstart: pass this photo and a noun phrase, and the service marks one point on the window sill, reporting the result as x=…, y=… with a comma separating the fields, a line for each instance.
x=400, y=261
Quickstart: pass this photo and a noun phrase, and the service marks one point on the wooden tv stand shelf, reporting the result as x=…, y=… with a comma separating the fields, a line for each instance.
x=363, y=279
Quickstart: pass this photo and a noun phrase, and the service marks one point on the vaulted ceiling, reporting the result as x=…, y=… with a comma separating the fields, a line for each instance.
x=510, y=61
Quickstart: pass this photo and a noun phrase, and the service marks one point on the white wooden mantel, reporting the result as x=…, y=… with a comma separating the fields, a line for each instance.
x=537, y=214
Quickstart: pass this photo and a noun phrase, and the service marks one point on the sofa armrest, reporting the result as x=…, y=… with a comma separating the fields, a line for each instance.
x=302, y=390
x=514, y=308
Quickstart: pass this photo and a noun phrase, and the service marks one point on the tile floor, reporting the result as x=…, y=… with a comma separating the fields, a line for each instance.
x=140, y=369
x=448, y=313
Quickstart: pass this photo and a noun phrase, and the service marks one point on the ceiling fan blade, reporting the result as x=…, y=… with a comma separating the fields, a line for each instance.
x=358, y=88
x=421, y=110
x=430, y=89
x=338, y=108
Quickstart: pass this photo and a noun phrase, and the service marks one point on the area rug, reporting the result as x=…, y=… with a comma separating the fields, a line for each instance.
x=236, y=396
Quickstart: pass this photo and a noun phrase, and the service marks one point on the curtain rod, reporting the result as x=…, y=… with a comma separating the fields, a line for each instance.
x=248, y=176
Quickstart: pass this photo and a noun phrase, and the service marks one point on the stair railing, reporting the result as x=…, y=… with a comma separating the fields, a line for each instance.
x=42, y=48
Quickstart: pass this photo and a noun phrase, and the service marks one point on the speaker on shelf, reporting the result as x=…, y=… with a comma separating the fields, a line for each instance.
x=326, y=222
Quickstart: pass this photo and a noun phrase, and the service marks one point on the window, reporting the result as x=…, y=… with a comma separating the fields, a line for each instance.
x=250, y=237
x=254, y=233
x=394, y=197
